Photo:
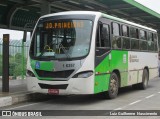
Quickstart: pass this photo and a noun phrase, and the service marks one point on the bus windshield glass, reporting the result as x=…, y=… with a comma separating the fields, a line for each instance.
x=61, y=39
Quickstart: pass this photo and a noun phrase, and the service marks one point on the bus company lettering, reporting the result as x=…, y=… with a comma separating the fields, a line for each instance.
x=133, y=58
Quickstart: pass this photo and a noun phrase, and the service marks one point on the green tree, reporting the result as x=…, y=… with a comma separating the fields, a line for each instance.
x=15, y=65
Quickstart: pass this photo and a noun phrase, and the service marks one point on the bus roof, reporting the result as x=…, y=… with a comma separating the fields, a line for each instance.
x=99, y=14
x=128, y=22
x=73, y=13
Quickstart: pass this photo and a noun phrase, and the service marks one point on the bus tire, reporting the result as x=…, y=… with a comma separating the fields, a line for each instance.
x=113, y=87
x=145, y=79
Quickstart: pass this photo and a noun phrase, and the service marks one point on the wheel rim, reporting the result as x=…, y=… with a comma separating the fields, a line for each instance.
x=113, y=86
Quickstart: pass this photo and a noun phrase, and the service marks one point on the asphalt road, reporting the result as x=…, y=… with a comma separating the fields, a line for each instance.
x=128, y=99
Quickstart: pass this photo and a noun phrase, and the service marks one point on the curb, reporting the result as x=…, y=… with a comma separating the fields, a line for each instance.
x=18, y=98
x=14, y=99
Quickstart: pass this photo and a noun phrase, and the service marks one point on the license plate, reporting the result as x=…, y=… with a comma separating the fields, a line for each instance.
x=53, y=91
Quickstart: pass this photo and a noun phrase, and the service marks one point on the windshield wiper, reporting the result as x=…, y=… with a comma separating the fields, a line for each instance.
x=64, y=50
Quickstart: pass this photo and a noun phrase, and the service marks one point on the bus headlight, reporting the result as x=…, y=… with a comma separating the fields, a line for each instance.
x=84, y=74
x=30, y=74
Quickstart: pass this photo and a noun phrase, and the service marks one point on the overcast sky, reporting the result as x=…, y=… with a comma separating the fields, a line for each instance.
x=152, y=4
x=16, y=35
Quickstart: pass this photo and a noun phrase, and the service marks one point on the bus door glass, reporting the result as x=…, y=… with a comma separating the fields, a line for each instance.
x=103, y=39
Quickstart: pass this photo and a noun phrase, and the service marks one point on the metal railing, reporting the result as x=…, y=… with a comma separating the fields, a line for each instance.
x=15, y=58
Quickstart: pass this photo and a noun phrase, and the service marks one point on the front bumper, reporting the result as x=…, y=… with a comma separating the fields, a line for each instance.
x=74, y=85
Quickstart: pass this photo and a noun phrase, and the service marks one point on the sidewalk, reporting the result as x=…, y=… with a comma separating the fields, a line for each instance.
x=17, y=93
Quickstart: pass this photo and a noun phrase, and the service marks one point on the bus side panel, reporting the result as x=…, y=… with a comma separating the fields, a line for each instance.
x=137, y=62
x=116, y=60
x=102, y=76
x=119, y=61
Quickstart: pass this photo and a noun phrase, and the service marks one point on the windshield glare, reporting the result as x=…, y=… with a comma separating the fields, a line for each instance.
x=62, y=39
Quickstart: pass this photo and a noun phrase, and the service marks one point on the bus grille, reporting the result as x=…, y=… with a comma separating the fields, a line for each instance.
x=47, y=86
x=54, y=74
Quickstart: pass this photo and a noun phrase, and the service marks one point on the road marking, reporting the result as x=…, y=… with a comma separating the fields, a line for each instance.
x=118, y=109
x=26, y=105
x=22, y=106
x=150, y=96
x=135, y=102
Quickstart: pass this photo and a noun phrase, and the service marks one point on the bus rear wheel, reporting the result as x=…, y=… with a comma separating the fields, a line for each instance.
x=144, y=84
x=113, y=87
x=145, y=79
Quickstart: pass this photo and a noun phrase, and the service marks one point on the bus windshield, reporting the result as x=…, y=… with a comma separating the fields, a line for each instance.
x=61, y=39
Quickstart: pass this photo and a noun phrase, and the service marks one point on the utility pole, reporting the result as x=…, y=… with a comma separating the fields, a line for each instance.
x=5, y=75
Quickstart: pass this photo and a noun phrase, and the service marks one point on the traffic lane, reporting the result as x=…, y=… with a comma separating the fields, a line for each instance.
x=126, y=94
x=93, y=102
x=150, y=102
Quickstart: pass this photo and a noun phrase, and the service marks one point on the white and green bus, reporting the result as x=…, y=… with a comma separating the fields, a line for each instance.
x=84, y=52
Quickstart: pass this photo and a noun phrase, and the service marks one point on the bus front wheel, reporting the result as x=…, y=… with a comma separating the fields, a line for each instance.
x=113, y=87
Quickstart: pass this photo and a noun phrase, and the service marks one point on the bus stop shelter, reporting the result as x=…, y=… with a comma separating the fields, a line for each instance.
x=15, y=14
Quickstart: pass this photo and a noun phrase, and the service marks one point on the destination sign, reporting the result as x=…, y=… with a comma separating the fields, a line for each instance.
x=63, y=25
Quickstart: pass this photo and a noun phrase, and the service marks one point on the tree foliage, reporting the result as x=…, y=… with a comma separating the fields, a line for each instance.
x=15, y=65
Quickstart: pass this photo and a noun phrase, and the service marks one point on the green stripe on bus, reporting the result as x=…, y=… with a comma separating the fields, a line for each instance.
x=44, y=65
x=47, y=66
x=118, y=61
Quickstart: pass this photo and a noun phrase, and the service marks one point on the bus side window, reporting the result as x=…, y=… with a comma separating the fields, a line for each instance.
x=155, y=42
x=150, y=42
x=116, y=41
x=133, y=32
x=143, y=40
x=134, y=38
x=103, y=39
x=126, y=39
x=103, y=36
